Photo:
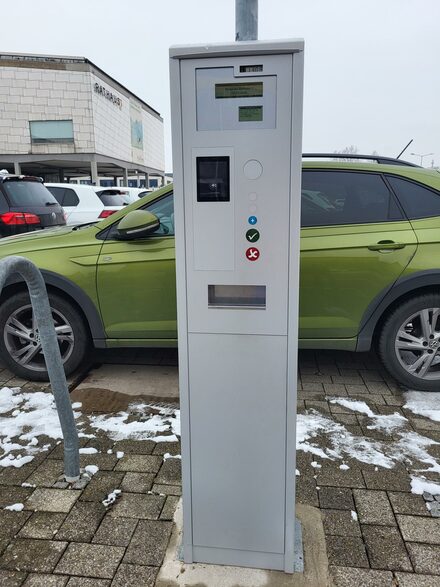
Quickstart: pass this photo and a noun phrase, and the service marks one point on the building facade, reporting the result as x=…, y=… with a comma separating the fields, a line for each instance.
x=63, y=117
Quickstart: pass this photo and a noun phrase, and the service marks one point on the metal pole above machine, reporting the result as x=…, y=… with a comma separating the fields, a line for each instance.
x=246, y=20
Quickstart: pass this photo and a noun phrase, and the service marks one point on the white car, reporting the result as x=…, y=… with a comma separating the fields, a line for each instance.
x=83, y=204
x=130, y=194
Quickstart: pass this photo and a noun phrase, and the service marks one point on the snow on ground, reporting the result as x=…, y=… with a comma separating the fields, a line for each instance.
x=15, y=507
x=420, y=484
x=423, y=404
x=138, y=423
x=25, y=416
x=404, y=445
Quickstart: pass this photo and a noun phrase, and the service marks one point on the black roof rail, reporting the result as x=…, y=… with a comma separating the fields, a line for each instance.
x=377, y=158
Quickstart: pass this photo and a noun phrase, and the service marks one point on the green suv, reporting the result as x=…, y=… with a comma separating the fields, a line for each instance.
x=370, y=273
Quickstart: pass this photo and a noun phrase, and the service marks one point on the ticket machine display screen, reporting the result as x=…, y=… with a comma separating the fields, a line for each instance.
x=213, y=179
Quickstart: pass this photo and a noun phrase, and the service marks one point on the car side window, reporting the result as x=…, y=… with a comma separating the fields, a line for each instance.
x=163, y=209
x=418, y=201
x=58, y=194
x=345, y=197
x=70, y=198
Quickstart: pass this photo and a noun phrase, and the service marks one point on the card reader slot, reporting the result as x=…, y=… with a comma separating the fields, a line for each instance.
x=251, y=297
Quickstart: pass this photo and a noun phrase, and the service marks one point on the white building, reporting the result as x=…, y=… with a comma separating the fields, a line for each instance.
x=63, y=117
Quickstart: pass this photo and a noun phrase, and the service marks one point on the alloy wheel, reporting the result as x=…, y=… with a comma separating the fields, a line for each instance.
x=22, y=339
x=417, y=344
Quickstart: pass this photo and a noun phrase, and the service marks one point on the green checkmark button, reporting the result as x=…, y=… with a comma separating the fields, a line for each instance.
x=252, y=235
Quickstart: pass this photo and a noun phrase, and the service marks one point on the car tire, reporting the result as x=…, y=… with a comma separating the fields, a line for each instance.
x=409, y=343
x=18, y=339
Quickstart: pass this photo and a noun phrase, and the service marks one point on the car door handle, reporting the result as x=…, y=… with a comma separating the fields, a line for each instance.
x=386, y=246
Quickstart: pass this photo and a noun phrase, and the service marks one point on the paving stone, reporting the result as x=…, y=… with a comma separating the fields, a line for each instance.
x=170, y=473
x=115, y=531
x=37, y=556
x=411, y=580
x=137, y=482
x=425, y=558
x=340, y=523
x=10, y=495
x=139, y=463
x=85, y=582
x=312, y=386
x=11, y=578
x=168, y=489
x=82, y=522
x=90, y=560
x=43, y=525
x=387, y=479
x=134, y=576
x=335, y=389
x=39, y=580
x=101, y=485
x=169, y=508
x=424, y=424
x=320, y=406
x=11, y=522
x=16, y=476
x=347, y=379
x=46, y=474
x=346, y=419
x=373, y=507
x=104, y=462
x=58, y=451
x=331, y=475
x=385, y=548
x=346, y=551
x=407, y=503
x=52, y=500
x=161, y=448
x=305, y=491
x=353, y=390
x=350, y=577
x=337, y=498
x=137, y=447
x=417, y=529
x=149, y=543
x=138, y=505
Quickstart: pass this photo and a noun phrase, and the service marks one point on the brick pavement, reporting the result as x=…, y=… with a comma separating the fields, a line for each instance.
x=67, y=537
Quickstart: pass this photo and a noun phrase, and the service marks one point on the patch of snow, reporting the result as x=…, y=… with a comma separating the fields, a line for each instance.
x=109, y=452
x=28, y=485
x=404, y=447
x=92, y=469
x=111, y=497
x=77, y=405
x=144, y=425
x=354, y=516
x=119, y=454
x=384, y=422
x=30, y=414
x=315, y=465
x=420, y=485
x=15, y=507
x=344, y=467
x=297, y=473
x=423, y=403
x=167, y=456
x=88, y=451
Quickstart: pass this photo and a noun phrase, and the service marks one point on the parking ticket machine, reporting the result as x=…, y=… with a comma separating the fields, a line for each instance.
x=236, y=124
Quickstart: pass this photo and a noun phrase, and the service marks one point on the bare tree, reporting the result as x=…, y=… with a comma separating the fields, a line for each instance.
x=351, y=150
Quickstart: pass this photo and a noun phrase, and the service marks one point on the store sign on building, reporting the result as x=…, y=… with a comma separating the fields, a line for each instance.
x=102, y=91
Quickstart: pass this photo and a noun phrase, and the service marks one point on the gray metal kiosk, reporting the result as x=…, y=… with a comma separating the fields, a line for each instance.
x=237, y=124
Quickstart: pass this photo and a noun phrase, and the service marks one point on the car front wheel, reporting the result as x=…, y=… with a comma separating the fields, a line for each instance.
x=20, y=344
x=409, y=343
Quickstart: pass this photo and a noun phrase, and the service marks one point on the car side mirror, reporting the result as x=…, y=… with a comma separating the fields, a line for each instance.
x=137, y=224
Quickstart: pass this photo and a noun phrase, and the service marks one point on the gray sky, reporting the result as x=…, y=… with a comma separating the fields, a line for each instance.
x=371, y=68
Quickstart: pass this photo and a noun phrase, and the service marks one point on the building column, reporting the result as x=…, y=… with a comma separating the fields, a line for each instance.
x=147, y=181
x=137, y=179
x=94, y=173
x=125, y=176
x=17, y=168
x=61, y=175
x=115, y=180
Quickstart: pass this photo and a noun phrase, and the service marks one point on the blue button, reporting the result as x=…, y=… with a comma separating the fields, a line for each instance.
x=252, y=220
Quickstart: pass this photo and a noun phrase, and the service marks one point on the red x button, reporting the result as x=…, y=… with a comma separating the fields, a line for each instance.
x=252, y=254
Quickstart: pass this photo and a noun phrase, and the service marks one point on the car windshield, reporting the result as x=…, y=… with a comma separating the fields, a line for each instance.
x=110, y=198
x=27, y=193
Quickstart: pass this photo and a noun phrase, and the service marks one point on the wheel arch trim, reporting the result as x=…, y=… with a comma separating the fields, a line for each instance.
x=377, y=308
x=73, y=291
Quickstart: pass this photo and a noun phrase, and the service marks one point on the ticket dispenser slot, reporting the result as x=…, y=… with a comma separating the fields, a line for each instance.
x=236, y=124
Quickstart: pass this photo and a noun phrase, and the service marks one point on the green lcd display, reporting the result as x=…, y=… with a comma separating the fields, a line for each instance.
x=239, y=90
x=250, y=113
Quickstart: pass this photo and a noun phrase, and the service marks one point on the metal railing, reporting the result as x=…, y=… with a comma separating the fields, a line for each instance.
x=42, y=314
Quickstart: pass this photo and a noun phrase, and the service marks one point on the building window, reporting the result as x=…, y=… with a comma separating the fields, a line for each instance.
x=51, y=131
